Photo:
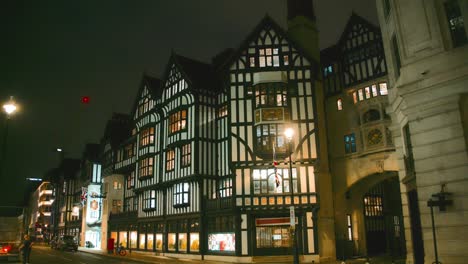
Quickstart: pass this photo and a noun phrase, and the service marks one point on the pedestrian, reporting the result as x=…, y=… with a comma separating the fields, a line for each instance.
x=26, y=249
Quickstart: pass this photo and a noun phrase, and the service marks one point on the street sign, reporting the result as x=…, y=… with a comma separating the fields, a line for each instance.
x=292, y=216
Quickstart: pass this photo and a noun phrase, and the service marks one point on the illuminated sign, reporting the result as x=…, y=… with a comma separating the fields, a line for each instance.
x=93, y=204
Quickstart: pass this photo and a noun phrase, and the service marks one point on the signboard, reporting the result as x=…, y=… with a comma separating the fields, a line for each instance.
x=292, y=216
x=93, y=204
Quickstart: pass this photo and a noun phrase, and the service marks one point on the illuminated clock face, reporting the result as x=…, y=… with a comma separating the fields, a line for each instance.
x=374, y=137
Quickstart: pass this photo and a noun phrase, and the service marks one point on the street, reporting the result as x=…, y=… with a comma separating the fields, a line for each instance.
x=43, y=254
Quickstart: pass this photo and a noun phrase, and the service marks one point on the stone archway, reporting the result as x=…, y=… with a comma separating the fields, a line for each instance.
x=376, y=205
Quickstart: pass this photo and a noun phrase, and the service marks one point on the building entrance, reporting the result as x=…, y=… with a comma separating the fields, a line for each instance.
x=273, y=236
x=383, y=219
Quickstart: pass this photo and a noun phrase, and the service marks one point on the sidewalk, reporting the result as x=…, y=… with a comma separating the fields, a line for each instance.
x=151, y=257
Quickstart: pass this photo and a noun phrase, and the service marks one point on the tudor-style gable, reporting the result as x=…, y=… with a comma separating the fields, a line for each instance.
x=269, y=47
x=148, y=93
x=361, y=51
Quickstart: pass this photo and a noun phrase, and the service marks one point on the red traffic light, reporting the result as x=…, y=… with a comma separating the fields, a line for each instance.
x=85, y=99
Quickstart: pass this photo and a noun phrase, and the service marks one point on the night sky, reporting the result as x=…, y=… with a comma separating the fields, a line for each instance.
x=54, y=52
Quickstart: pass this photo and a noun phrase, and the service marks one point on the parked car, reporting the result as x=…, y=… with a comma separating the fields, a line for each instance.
x=10, y=237
x=66, y=242
x=9, y=251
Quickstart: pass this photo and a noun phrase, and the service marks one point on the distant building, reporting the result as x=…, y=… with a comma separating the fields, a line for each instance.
x=41, y=212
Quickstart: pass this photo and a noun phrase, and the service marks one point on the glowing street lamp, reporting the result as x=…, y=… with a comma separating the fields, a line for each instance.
x=9, y=108
x=289, y=133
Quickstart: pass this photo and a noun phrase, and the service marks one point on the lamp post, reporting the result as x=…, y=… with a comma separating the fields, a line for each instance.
x=289, y=133
x=9, y=108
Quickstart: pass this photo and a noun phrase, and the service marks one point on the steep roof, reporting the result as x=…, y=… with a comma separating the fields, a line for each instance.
x=155, y=89
x=267, y=21
x=200, y=74
x=353, y=20
x=118, y=128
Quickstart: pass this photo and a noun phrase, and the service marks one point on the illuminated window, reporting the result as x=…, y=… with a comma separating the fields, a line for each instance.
x=286, y=60
x=149, y=200
x=143, y=107
x=177, y=121
x=182, y=245
x=350, y=143
x=268, y=57
x=383, y=88
x=271, y=94
x=455, y=22
x=131, y=180
x=185, y=155
x=271, y=181
x=170, y=160
x=223, y=111
x=147, y=136
x=367, y=92
x=116, y=206
x=117, y=185
x=361, y=95
x=269, y=136
x=373, y=205
x=374, y=90
x=181, y=194
x=339, y=104
x=327, y=70
x=145, y=167
x=355, y=100
x=225, y=188
x=128, y=151
x=350, y=227
x=194, y=242
x=252, y=61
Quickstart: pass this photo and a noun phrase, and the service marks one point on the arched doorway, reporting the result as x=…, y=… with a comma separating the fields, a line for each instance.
x=383, y=219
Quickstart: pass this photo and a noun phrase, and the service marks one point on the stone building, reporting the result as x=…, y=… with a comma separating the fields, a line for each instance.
x=426, y=48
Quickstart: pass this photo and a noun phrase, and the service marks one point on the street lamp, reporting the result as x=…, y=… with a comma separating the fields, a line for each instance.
x=289, y=133
x=9, y=108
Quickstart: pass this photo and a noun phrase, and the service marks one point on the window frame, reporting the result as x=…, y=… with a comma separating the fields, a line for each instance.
x=264, y=142
x=147, y=136
x=170, y=159
x=145, y=167
x=350, y=145
x=149, y=200
x=264, y=181
x=455, y=30
x=177, y=121
x=181, y=194
x=186, y=155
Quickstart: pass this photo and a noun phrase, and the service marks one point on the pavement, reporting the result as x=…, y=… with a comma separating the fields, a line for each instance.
x=153, y=257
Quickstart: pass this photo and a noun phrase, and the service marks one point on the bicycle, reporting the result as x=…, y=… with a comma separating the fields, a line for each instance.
x=120, y=250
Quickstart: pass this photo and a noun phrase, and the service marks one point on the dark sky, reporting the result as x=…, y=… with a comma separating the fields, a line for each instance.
x=54, y=52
